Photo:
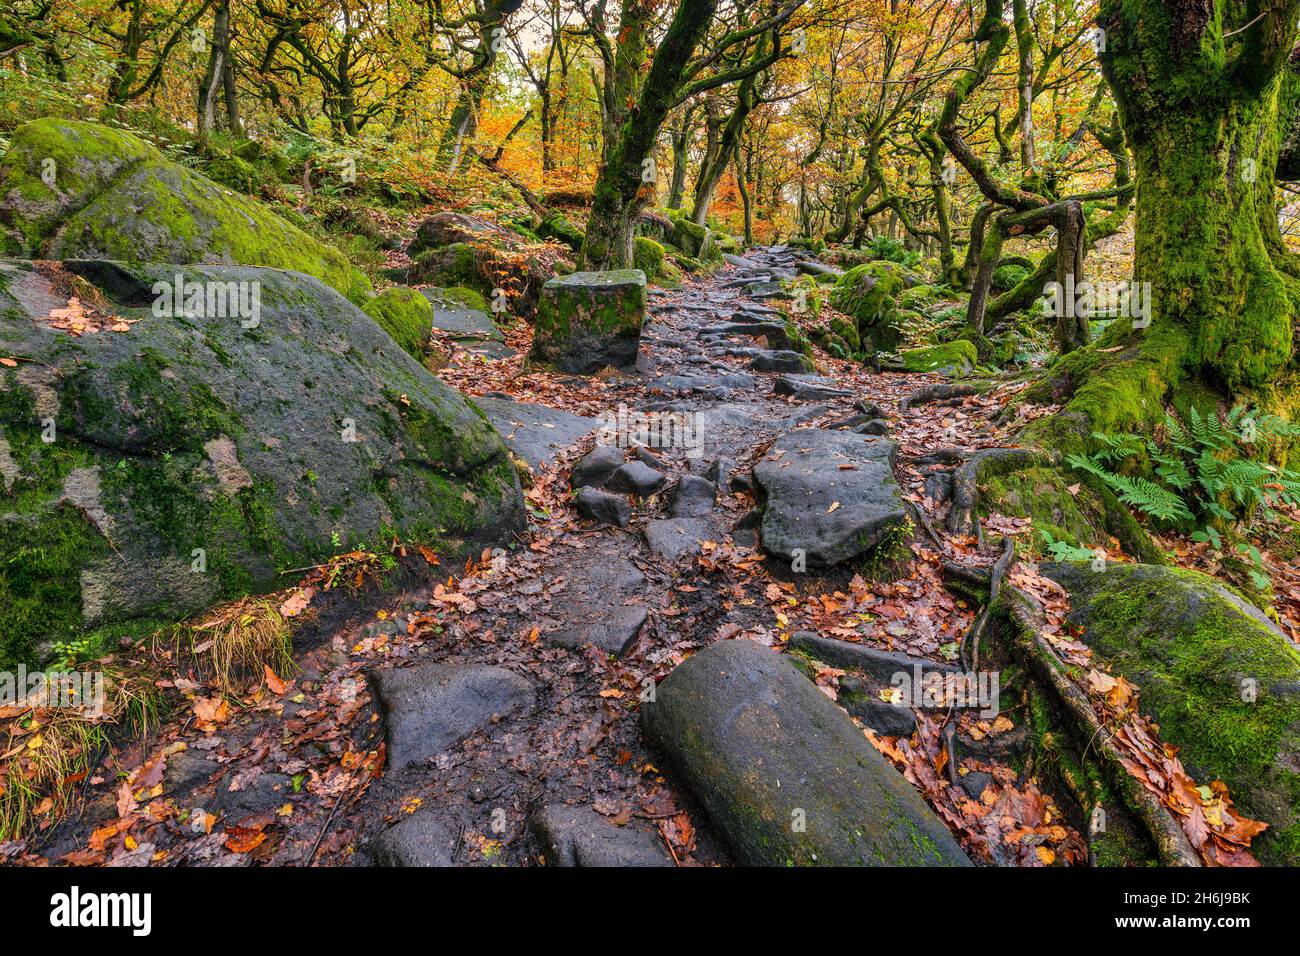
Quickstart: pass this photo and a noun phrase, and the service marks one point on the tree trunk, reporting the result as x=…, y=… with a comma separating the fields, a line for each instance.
x=1205, y=134
x=620, y=191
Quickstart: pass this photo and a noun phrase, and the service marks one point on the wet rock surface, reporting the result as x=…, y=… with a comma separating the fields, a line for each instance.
x=737, y=706
x=432, y=706
x=579, y=836
x=831, y=495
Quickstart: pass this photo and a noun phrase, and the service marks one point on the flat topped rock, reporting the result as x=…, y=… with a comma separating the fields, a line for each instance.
x=579, y=836
x=610, y=279
x=831, y=495
x=589, y=320
x=783, y=773
x=429, y=707
x=536, y=433
x=675, y=538
x=809, y=388
x=453, y=316
x=595, y=603
x=780, y=360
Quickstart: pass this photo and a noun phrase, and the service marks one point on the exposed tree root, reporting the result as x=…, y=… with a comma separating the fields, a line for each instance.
x=965, y=482
x=938, y=393
x=968, y=651
x=1026, y=621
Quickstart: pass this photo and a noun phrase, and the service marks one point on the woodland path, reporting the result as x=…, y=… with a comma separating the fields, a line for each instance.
x=438, y=725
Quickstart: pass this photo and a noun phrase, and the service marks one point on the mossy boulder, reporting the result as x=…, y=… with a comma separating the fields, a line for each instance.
x=784, y=774
x=456, y=295
x=111, y=195
x=404, y=314
x=812, y=243
x=869, y=293
x=647, y=255
x=698, y=242
x=589, y=320
x=1218, y=677
x=195, y=457
x=460, y=249
x=453, y=265
x=950, y=357
x=558, y=227
x=918, y=298
x=447, y=228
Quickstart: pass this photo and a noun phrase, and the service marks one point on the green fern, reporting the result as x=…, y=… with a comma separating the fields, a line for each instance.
x=1207, y=469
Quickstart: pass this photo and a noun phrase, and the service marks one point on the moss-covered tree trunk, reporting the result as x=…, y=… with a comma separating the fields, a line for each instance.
x=1197, y=85
x=621, y=188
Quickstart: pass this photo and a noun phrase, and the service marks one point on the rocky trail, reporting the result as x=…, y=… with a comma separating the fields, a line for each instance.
x=636, y=681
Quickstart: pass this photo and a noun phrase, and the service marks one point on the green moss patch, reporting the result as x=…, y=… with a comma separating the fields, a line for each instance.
x=405, y=315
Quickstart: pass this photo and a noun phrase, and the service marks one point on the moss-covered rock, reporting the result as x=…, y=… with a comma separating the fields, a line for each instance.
x=647, y=255
x=814, y=244
x=869, y=293
x=111, y=195
x=448, y=228
x=459, y=295
x=588, y=320
x=957, y=356
x=194, y=458
x=917, y=298
x=404, y=314
x=784, y=774
x=1221, y=681
x=558, y=227
x=698, y=242
x=453, y=265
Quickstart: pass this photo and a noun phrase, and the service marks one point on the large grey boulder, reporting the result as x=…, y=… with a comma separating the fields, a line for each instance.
x=429, y=707
x=830, y=495
x=192, y=458
x=536, y=433
x=111, y=195
x=588, y=320
x=784, y=774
